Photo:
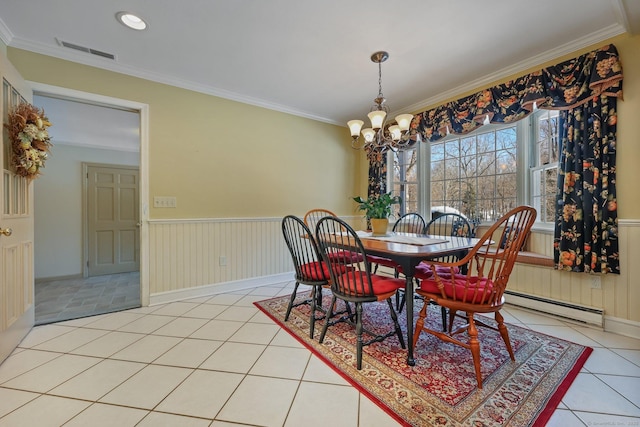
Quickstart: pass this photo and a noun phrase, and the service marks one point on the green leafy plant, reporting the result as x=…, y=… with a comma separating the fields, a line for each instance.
x=378, y=207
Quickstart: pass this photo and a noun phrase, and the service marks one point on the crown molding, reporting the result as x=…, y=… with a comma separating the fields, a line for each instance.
x=628, y=14
x=5, y=33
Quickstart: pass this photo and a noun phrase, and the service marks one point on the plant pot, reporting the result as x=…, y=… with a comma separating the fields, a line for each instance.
x=379, y=226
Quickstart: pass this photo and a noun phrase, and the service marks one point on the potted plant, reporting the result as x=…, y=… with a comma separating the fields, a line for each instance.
x=378, y=209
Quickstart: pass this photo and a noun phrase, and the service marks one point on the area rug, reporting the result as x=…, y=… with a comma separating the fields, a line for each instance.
x=441, y=389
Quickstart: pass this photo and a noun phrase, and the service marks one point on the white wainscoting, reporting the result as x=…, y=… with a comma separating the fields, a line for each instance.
x=191, y=253
x=185, y=261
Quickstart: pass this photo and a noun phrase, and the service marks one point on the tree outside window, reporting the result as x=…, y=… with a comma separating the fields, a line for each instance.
x=476, y=174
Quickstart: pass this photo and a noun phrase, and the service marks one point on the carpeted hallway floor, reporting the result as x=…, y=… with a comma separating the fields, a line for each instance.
x=59, y=300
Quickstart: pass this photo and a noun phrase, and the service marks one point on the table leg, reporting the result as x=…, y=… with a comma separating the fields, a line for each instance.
x=408, y=295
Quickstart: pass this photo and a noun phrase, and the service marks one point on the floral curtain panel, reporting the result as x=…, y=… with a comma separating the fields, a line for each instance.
x=377, y=173
x=586, y=89
x=586, y=233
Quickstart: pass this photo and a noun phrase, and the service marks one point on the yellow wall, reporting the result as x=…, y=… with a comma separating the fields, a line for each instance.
x=220, y=158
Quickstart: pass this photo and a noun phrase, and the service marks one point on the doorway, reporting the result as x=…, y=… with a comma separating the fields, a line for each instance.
x=88, y=132
x=111, y=202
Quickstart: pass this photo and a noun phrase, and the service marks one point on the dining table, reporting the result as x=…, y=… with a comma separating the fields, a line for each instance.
x=408, y=250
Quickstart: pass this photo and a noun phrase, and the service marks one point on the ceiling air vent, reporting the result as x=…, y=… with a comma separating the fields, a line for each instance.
x=87, y=50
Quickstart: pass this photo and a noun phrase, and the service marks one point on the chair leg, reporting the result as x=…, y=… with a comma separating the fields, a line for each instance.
x=444, y=319
x=319, y=297
x=452, y=315
x=505, y=334
x=474, y=346
x=394, y=317
x=312, y=318
x=420, y=323
x=359, y=335
x=293, y=298
x=327, y=318
x=399, y=301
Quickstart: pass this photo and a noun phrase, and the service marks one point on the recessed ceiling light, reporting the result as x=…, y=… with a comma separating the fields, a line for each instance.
x=131, y=20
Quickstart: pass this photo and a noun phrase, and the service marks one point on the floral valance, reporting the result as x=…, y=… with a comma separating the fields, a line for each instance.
x=562, y=86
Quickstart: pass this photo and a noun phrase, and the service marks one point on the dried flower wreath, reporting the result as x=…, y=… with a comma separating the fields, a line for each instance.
x=27, y=127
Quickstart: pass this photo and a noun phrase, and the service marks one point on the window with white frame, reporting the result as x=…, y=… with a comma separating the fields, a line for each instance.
x=544, y=164
x=404, y=180
x=476, y=173
x=485, y=173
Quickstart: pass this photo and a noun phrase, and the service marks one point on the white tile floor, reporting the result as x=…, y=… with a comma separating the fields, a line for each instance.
x=218, y=361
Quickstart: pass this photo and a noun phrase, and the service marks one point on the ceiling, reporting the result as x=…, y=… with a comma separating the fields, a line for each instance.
x=312, y=58
x=88, y=125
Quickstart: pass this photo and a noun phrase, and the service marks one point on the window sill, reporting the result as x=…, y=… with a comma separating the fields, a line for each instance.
x=533, y=258
x=545, y=228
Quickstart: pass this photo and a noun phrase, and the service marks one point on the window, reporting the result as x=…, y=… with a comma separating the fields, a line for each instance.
x=544, y=170
x=404, y=180
x=476, y=173
x=485, y=173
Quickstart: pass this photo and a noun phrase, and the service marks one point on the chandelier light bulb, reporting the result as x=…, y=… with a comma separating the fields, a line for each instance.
x=395, y=132
x=368, y=134
x=354, y=127
x=404, y=121
x=377, y=118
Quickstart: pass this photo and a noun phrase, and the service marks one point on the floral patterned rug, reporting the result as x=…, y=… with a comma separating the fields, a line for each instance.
x=441, y=388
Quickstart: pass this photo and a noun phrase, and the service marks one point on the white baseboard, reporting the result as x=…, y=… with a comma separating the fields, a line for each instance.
x=624, y=327
x=580, y=313
x=218, y=288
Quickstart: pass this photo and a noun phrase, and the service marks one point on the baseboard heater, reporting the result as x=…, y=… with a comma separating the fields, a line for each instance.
x=578, y=313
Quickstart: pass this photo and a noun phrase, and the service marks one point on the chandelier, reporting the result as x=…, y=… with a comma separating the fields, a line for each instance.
x=380, y=137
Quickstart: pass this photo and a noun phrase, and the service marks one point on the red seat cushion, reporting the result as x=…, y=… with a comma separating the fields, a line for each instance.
x=381, y=261
x=474, y=291
x=380, y=284
x=423, y=271
x=319, y=271
x=315, y=271
x=347, y=256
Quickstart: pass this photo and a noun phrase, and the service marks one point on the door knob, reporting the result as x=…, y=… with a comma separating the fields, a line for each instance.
x=6, y=231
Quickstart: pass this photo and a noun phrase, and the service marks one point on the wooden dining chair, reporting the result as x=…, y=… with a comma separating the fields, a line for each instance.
x=408, y=223
x=354, y=283
x=481, y=288
x=308, y=265
x=311, y=219
x=448, y=224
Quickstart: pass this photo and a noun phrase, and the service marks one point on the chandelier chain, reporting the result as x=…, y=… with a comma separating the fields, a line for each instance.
x=380, y=80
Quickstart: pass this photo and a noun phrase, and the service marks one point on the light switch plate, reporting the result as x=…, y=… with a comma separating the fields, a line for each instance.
x=164, y=202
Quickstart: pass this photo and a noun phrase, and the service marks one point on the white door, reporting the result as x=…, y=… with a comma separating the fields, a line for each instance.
x=16, y=227
x=113, y=219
